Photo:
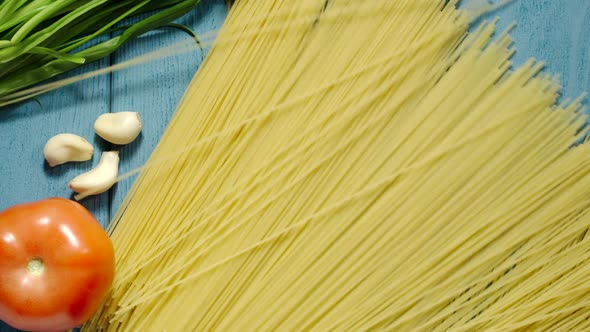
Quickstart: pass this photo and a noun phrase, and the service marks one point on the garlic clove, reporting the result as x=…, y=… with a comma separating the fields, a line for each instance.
x=99, y=179
x=118, y=128
x=65, y=147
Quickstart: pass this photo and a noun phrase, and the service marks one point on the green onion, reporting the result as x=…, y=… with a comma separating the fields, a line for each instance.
x=40, y=39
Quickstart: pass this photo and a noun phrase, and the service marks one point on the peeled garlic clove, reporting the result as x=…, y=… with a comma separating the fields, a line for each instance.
x=118, y=128
x=63, y=148
x=99, y=179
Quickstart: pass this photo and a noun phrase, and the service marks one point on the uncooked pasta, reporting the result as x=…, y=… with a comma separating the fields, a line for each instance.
x=350, y=165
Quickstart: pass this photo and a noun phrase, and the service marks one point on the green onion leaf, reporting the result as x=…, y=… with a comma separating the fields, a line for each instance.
x=41, y=39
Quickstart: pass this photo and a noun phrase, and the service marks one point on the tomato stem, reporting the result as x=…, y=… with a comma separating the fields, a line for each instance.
x=36, y=266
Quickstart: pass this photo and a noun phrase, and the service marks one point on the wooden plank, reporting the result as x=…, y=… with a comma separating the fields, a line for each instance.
x=155, y=89
x=556, y=32
x=24, y=130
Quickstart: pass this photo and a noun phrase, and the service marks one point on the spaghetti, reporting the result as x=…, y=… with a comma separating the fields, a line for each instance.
x=358, y=165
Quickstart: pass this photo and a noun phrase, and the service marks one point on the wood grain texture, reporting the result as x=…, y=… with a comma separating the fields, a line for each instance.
x=555, y=31
x=24, y=130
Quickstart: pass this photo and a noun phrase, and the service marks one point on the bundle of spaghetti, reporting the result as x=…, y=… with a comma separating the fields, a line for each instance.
x=359, y=165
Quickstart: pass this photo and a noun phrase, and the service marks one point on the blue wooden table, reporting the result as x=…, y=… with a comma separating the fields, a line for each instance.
x=555, y=31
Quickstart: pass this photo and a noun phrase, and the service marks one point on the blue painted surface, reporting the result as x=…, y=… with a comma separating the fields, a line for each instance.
x=556, y=31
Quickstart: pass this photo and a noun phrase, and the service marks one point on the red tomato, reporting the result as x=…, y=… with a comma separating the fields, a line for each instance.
x=56, y=265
